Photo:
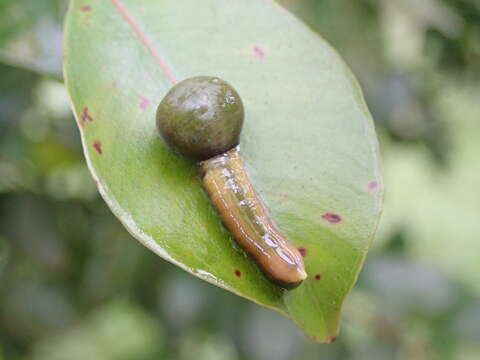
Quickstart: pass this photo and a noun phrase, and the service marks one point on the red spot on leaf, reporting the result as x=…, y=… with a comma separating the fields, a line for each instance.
x=318, y=276
x=143, y=103
x=372, y=185
x=285, y=196
x=86, y=8
x=258, y=52
x=238, y=273
x=85, y=116
x=332, y=218
x=303, y=251
x=98, y=147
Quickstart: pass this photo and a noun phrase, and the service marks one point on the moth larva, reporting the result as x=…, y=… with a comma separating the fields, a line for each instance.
x=201, y=118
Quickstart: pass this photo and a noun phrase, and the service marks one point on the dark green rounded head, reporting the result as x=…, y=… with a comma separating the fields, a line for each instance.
x=201, y=117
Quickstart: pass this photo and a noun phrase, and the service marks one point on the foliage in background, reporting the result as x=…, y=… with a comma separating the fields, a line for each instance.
x=31, y=33
x=71, y=279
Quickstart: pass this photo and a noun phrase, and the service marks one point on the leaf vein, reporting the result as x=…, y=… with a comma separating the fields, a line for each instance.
x=145, y=40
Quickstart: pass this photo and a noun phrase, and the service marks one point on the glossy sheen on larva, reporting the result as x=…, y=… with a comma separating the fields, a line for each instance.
x=246, y=217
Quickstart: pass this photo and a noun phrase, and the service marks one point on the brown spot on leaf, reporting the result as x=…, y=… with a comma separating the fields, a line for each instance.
x=332, y=218
x=98, y=146
x=303, y=251
x=332, y=339
x=85, y=116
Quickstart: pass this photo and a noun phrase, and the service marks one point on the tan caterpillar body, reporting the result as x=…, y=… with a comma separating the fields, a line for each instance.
x=246, y=217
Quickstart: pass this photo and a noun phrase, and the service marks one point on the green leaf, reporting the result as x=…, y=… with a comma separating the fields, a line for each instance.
x=308, y=141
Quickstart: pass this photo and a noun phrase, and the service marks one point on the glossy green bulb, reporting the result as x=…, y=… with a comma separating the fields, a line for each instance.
x=201, y=117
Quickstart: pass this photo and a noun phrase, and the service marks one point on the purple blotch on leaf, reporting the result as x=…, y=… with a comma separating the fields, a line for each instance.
x=258, y=52
x=332, y=218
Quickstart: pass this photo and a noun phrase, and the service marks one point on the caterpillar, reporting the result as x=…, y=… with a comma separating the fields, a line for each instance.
x=201, y=118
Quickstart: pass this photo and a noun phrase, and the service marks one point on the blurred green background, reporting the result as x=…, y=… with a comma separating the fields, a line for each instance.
x=75, y=285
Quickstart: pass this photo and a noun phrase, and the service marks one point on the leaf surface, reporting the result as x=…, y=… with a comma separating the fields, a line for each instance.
x=308, y=140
